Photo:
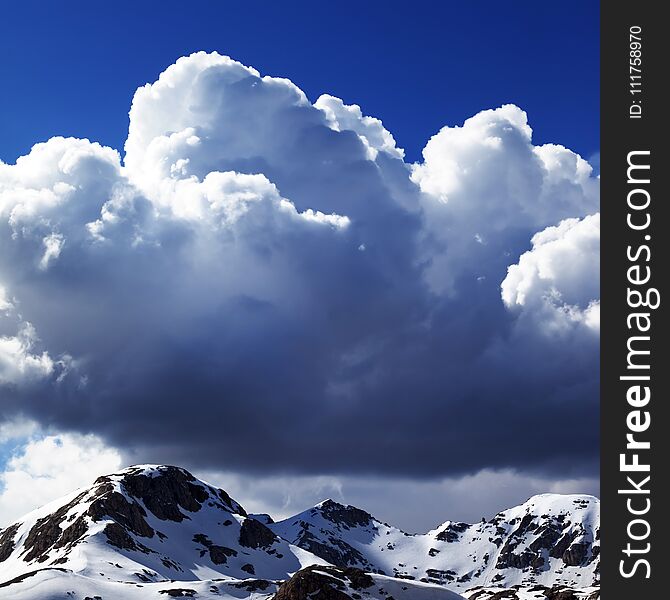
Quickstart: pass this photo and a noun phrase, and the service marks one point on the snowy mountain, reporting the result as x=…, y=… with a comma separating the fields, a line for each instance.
x=549, y=540
x=158, y=532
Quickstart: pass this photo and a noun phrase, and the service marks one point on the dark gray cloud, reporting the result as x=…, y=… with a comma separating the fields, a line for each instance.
x=265, y=285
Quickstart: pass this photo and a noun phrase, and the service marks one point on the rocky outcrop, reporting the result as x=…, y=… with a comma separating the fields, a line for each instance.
x=324, y=583
x=46, y=533
x=167, y=493
x=336, y=551
x=452, y=532
x=253, y=534
x=7, y=541
x=347, y=516
x=118, y=537
x=576, y=555
x=536, y=591
x=128, y=514
x=219, y=555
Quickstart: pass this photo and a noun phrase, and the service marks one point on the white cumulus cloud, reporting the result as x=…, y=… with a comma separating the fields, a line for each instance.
x=370, y=130
x=557, y=280
x=18, y=362
x=256, y=257
x=485, y=183
x=47, y=467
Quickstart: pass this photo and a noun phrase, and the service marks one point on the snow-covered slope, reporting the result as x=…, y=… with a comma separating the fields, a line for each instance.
x=148, y=524
x=549, y=540
x=157, y=531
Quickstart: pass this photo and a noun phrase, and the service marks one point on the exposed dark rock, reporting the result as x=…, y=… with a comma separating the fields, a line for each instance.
x=576, y=554
x=547, y=536
x=310, y=586
x=118, y=537
x=179, y=593
x=440, y=576
x=563, y=544
x=164, y=494
x=519, y=561
x=218, y=554
x=478, y=594
x=7, y=541
x=358, y=579
x=248, y=568
x=561, y=593
x=537, y=588
x=46, y=532
x=25, y=576
x=452, y=532
x=526, y=525
x=263, y=518
x=338, y=553
x=230, y=503
x=323, y=583
x=255, y=585
x=253, y=534
x=73, y=533
x=504, y=595
x=170, y=564
x=112, y=504
x=345, y=515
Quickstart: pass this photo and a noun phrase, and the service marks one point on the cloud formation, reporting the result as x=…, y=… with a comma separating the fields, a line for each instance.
x=40, y=470
x=557, y=280
x=17, y=364
x=46, y=467
x=264, y=283
x=417, y=506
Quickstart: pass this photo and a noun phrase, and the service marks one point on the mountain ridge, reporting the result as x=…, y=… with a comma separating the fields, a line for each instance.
x=148, y=527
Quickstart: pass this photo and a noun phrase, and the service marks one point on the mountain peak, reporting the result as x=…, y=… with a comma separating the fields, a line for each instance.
x=344, y=514
x=120, y=508
x=148, y=523
x=555, y=498
x=152, y=470
x=160, y=528
x=554, y=505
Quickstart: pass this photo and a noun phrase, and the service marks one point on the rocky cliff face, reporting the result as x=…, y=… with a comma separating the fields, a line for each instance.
x=157, y=532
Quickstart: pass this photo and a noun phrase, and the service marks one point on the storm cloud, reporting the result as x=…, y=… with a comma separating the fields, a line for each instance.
x=262, y=284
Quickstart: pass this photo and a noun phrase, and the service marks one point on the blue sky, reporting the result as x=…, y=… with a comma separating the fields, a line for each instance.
x=70, y=68
x=267, y=289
